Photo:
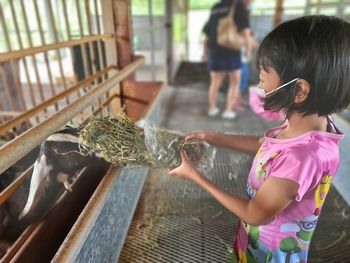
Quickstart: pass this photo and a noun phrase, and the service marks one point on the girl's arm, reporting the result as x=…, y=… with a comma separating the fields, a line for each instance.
x=250, y=144
x=273, y=196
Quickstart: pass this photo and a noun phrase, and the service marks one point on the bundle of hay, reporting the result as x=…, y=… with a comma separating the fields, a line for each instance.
x=116, y=138
x=120, y=141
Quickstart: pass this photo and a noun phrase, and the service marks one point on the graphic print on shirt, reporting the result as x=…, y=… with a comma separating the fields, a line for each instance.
x=262, y=167
x=311, y=161
x=296, y=244
x=250, y=190
x=322, y=191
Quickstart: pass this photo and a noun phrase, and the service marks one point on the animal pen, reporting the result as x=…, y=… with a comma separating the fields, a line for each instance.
x=38, y=98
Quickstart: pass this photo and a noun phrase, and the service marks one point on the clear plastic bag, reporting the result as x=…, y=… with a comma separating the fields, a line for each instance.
x=165, y=146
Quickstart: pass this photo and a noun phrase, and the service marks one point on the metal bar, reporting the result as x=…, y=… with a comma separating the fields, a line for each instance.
x=87, y=13
x=114, y=96
x=79, y=18
x=14, y=69
x=150, y=20
x=66, y=19
x=8, y=191
x=30, y=84
x=86, y=68
x=7, y=88
x=30, y=113
x=98, y=24
x=98, y=27
x=91, y=45
x=2, y=119
x=37, y=14
x=69, y=34
x=169, y=39
x=83, y=51
x=29, y=81
x=14, y=150
x=109, y=99
x=58, y=53
x=19, y=242
x=18, y=85
x=31, y=51
x=99, y=47
x=104, y=104
x=38, y=80
x=25, y=18
x=7, y=38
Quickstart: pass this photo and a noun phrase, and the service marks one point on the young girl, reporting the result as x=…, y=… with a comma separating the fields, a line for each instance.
x=304, y=71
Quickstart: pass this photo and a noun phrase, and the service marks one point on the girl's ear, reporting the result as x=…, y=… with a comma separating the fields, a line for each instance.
x=303, y=91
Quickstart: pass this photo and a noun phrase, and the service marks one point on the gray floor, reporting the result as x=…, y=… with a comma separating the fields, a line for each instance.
x=177, y=222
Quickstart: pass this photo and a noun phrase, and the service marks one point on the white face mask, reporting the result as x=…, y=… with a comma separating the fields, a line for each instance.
x=280, y=87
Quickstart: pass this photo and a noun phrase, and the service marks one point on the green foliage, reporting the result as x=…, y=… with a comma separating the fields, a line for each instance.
x=140, y=7
x=254, y=233
x=305, y=235
x=203, y=4
x=288, y=244
x=233, y=258
x=179, y=28
x=254, y=236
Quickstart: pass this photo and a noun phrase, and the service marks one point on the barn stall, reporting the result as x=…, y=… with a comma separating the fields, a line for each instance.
x=39, y=97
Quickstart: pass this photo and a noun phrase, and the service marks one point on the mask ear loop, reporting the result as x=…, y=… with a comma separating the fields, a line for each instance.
x=280, y=87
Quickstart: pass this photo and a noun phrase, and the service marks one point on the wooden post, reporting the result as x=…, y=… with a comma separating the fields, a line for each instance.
x=278, y=13
x=124, y=34
x=117, y=19
x=111, y=49
x=169, y=38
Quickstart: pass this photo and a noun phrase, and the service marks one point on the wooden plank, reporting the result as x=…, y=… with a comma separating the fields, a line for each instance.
x=31, y=51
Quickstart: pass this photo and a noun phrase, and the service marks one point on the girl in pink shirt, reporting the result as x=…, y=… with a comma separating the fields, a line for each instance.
x=305, y=72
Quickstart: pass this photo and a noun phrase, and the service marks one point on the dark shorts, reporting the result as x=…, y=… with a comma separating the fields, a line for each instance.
x=225, y=64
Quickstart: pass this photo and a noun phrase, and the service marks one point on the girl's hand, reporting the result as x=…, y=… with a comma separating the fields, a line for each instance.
x=186, y=170
x=202, y=136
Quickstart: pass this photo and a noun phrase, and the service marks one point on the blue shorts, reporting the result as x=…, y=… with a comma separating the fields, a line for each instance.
x=225, y=64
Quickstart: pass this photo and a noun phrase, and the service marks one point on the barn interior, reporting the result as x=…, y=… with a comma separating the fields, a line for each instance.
x=62, y=62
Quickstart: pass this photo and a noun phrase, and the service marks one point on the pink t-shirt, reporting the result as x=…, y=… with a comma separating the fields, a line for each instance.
x=311, y=160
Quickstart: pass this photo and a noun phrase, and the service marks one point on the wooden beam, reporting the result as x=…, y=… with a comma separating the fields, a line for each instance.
x=278, y=13
x=31, y=51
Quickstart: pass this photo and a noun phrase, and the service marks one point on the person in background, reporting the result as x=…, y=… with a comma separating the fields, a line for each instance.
x=223, y=61
x=305, y=72
x=244, y=83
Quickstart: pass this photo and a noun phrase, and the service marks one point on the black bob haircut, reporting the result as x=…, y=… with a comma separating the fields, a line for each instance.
x=313, y=48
